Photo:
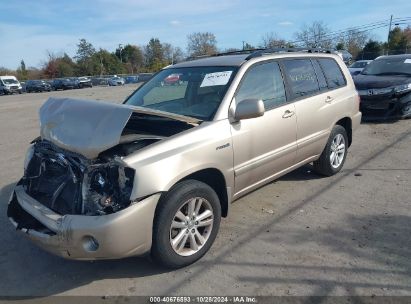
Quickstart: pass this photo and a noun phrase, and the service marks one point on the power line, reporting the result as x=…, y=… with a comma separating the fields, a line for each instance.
x=357, y=29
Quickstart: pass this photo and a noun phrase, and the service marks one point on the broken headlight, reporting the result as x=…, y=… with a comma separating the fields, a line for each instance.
x=403, y=88
x=107, y=189
x=29, y=156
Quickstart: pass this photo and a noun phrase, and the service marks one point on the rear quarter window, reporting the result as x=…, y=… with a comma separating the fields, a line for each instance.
x=301, y=77
x=332, y=72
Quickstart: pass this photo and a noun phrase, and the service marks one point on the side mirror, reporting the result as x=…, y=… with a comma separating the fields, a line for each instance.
x=249, y=108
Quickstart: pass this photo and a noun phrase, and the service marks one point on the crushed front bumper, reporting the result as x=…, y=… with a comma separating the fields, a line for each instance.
x=125, y=233
x=385, y=106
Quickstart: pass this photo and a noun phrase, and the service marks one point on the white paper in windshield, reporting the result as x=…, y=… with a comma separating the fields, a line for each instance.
x=407, y=61
x=216, y=79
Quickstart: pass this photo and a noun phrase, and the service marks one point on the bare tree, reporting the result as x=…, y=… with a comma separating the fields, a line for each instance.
x=272, y=40
x=354, y=41
x=199, y=44
x=314, y=35
x=172, y=54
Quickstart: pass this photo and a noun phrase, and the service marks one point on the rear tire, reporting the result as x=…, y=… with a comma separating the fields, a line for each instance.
x=333, y=157
x=180, y=240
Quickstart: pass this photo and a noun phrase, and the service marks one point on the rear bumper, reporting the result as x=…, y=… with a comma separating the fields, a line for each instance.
x=122, y=234
x=356, y=120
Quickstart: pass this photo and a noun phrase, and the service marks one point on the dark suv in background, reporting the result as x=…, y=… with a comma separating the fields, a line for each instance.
x=385, y=88
x=37, y=86
x=63, y=84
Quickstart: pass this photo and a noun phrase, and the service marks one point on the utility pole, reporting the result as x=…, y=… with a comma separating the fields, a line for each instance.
x=389, y=32
x=120, y=47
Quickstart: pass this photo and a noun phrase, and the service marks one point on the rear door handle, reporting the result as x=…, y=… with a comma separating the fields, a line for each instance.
x=288, y=114
x=329, y=99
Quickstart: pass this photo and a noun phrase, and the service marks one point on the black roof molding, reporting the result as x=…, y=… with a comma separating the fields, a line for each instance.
x=265, y=51
x=262, y=52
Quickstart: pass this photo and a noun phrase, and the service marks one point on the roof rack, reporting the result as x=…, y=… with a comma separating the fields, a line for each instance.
x=237, y=52
x=261, y=52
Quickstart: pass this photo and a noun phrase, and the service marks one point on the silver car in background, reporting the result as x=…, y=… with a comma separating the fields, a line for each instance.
x=116, y=81
x=357, y=67
x=156, y=174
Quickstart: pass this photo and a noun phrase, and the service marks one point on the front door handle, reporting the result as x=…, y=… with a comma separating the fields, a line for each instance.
x=288, y=114
x=329, y=99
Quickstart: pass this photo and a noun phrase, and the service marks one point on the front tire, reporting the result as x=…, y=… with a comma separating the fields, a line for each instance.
x=186, y=224
x=335, y=152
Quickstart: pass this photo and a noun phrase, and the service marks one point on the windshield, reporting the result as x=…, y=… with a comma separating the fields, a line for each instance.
x=389, y=66
x=9, y=81
x=359, y=64
x=196, y=91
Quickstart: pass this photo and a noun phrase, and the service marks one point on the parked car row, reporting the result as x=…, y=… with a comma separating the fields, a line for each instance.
x=11, y=85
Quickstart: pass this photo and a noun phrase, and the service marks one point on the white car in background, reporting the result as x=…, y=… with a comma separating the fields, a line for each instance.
x=10, y=85
x=357, y=67
x=116, y=81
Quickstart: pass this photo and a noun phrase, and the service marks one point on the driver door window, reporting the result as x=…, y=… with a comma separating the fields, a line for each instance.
x=263, y=81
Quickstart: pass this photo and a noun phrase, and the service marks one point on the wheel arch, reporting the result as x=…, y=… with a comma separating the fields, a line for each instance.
x=346, y=123
x=216, y=180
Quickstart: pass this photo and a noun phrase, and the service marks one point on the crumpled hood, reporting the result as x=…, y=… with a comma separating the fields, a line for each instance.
x=83, y=126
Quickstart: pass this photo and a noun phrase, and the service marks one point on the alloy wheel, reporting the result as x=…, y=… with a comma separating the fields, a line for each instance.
x=337, y=151
x=191, y=226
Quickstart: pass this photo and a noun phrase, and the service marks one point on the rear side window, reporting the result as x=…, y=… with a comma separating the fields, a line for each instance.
x=320, y=75
x=263, y=81
x=301, y=77
x=333, y=73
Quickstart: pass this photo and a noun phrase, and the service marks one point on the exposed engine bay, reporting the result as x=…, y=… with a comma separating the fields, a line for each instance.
x=68, y=183
x=76, y=166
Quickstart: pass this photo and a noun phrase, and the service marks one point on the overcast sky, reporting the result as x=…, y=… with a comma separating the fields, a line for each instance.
x=29, y=28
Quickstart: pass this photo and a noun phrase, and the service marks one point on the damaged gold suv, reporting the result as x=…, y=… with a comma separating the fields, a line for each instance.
x=157, y=173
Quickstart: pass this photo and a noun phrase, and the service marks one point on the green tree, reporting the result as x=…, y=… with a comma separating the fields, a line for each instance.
x=22, y=71
x=132, y=57
x=154, y=54
x=59, y=66
x=200, y=44
x=65, y=66
x=340, y=46
x=84, y=55
x=397, y=41
x=371, y=50
x=106, y=63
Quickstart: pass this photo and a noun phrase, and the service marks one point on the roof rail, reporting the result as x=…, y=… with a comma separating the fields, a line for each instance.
x=261, y=52
x=237, y=52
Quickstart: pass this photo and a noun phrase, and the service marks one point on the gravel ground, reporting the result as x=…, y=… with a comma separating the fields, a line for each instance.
x=300, y=235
